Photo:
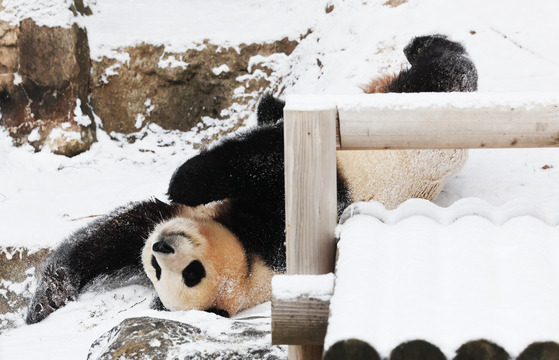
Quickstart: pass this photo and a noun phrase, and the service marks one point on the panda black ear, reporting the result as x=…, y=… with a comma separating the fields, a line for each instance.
x=193, y=273
x=270, y=110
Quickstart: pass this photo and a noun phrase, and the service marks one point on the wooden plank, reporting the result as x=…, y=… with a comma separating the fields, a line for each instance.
x=310, y=198
x=450, y=121
x=301, y=321
x=300, y=308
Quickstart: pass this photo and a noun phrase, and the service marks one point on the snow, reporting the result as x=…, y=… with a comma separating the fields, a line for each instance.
x=447, y=276
x=43, y=197
x=181, y=26
x=44, y=12
x=79, y=117
x=220, y=69
x=171, y=62
x=290, y=287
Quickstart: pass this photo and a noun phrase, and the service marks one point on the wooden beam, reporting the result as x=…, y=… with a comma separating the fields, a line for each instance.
x=300, y=308
x=302, y=321
x=449, y=121
x=310, y=198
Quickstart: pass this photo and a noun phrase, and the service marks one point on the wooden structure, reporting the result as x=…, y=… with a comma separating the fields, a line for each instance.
x=315, y=126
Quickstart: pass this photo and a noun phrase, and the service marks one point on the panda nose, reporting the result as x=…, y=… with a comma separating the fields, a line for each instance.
x=163, y=247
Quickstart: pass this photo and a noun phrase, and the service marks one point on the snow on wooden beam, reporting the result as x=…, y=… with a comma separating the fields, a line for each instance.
x=442, y=120
x=444, y=275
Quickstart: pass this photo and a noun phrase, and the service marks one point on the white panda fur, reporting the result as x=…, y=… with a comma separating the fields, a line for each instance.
x=394, y=176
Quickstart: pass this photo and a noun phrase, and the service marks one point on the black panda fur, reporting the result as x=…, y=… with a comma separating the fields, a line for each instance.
x=242, y=177
x=437, y=65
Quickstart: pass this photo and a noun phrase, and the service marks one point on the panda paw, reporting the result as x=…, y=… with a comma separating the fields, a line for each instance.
x=54, y=290
x=156, y=304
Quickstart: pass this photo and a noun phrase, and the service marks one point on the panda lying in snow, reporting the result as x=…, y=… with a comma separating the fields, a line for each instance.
x=216, y=246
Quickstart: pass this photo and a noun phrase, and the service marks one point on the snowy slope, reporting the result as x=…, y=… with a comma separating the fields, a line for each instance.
x=43, y=196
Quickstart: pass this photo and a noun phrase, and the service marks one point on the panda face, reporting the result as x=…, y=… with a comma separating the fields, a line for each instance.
x=195, y=264
x=164, y=248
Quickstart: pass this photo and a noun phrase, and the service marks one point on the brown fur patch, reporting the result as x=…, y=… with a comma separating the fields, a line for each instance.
x=379, y=85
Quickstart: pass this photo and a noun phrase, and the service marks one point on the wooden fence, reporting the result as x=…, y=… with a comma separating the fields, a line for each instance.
x=315, y=126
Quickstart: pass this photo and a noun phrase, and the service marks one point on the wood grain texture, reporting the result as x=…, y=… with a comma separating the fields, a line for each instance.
x=300, y=321
x=310, y=199
x=310, y=190
x=450, y=127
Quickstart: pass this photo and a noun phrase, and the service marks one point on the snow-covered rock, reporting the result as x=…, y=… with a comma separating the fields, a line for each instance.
x=146, y=338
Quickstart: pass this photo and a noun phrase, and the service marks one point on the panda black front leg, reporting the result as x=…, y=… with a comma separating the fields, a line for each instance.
x=56, y=288
x=106, y=246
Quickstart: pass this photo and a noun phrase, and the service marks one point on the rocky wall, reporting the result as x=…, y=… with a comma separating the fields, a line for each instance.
x=177, y=90
x=44, y=87
x=50, y=88
x=18, y=269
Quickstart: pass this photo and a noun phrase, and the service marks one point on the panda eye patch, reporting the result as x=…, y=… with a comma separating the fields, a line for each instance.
x=156, y=266
x=193, y=273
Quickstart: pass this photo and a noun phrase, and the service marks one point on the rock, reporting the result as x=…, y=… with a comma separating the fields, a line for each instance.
x=17, y=273
x=44, y=87
x=78, y=7
x=49, y=87
x=395, y=3
x=151, y=338
x=177, y=90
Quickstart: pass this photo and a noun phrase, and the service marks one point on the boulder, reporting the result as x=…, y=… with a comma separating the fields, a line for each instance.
x=151, y=338
x=44, y=86
x=17, y=273
x=177, y=90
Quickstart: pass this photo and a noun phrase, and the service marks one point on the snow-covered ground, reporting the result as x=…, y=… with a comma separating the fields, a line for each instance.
x=43, y=197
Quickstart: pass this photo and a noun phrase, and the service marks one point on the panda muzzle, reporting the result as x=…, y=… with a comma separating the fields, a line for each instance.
x=163, y=247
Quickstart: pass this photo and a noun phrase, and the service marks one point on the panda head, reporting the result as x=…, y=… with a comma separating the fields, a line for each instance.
x=195, y=264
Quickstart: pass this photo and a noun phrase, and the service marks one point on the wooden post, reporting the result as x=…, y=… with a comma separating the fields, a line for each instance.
x=310, y=198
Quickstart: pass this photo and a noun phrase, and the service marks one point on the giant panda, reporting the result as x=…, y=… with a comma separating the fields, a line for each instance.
x=219, y=241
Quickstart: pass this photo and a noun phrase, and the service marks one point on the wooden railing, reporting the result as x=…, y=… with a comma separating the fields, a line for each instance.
x=315, y=126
